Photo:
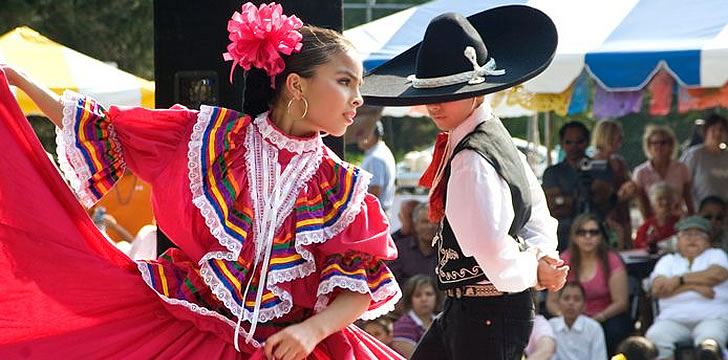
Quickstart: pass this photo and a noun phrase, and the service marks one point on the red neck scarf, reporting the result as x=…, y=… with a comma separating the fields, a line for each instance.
x=434, y=178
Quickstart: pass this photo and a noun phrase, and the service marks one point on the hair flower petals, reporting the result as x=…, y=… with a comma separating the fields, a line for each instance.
x=258, y=37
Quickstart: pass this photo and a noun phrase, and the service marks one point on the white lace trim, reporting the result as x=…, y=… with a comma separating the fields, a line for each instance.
x=261, y=156
x=258, y=153
x=472, y=77
x=361, y=286
x=70, y=159
x=190, y=306
x=194, y=165
x=223, y=294
x=346, y=218
x=280, y=140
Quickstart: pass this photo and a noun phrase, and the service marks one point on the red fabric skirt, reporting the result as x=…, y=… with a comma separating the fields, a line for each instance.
x=67, y=292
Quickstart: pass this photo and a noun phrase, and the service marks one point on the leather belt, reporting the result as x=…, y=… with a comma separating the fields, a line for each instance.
x=484, y=290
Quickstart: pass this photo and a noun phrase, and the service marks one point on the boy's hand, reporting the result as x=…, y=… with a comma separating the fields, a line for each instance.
x=551, y=273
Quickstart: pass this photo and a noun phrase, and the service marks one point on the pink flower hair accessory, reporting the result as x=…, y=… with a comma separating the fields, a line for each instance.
x=258, y=37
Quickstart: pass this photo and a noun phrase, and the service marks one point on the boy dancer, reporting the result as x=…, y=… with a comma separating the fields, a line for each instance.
x=497, y=238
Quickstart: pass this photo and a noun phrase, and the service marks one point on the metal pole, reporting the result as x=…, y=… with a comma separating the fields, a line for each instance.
x=547, y=137
x=370, y=5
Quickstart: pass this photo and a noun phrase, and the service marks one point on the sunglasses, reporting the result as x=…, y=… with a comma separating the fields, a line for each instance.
x=588, y=232
x=578, y=142
x=710, y=217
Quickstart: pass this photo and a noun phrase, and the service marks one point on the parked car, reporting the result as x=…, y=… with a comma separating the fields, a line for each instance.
x=414, y=163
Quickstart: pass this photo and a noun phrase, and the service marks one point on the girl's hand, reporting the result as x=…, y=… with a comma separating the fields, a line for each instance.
x=12, y=73
x=292, y=343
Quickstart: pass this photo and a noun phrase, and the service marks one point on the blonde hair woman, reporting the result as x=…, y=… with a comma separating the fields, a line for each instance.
x=607, y=140
x=658, y=143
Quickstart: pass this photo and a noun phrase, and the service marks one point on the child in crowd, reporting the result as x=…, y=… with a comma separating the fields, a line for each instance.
x=661, y=225
x=421, y=301
x=380, y=328
x=578, y=337
x=637, y=348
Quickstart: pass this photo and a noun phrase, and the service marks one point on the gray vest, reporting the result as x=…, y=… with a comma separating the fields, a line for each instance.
x=492, y=141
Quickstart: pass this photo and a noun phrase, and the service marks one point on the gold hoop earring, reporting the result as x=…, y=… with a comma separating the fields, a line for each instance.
x=305, y=106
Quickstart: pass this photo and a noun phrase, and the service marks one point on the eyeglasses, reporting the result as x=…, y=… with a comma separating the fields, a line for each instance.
x=588, y=232
x=660, y=142
x=716, y=217
x=572, y=142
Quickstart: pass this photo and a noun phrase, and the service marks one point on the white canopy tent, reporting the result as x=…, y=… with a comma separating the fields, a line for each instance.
x=621, y=43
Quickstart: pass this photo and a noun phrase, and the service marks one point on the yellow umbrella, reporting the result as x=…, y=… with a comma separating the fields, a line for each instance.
x=60, y=68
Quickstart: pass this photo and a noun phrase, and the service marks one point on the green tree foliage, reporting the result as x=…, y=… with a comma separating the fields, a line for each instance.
x=120, y=31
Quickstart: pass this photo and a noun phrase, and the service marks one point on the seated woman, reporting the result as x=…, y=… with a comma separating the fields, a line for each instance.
x=692, y=290
x=602, y=274
x=661, y=225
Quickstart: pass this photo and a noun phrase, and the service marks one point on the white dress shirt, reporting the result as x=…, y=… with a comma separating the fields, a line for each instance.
x=480, y=212
x=583, y=341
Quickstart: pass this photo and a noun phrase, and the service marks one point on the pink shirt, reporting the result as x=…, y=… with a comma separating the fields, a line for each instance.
x=597, y=288
x=677, y=176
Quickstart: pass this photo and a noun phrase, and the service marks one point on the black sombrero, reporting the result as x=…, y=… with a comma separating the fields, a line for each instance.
x=520, y=40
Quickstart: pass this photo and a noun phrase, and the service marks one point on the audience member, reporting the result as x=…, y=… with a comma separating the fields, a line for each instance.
x=542, y=342
x=563, y=184
x=602, y=274
x=616, y=187
x=407, y=226
x=637, y=348
x=578, y=337
x=692, y=289
x=695, y=137
x=713, y=209
x=708, y=162
x=379, y=161
x=380, y=328
x=416, y=255
x=421, y=300
x=144, y=246
x=660, y=147
x=661, y=224
x=105, y=222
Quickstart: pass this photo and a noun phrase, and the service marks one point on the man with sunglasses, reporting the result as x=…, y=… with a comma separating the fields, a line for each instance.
x=713, y=209
x=562, y=182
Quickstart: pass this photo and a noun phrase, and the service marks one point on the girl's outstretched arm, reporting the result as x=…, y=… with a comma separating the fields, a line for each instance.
x=47, y=101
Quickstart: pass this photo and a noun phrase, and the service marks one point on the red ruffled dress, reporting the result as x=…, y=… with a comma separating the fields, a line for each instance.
x=242, y=201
